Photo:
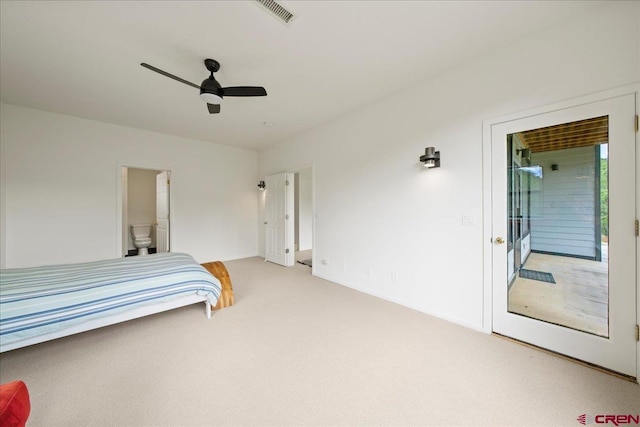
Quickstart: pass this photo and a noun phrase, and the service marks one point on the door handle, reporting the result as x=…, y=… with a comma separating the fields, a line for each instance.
x=499, y=240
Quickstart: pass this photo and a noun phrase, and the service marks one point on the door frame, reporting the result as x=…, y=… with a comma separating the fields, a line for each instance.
x=120, y=248
x=487, y=245
x=314, y=217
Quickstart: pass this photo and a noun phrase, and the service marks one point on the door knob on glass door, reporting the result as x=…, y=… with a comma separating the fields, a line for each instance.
x=499, y=240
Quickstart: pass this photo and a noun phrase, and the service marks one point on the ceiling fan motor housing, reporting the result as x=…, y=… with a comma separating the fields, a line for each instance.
x=211, y=91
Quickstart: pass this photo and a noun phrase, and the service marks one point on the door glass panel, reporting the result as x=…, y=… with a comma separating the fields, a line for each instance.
x=557, y=222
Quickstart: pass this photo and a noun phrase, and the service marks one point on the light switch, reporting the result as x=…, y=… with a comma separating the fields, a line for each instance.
x=468, y=220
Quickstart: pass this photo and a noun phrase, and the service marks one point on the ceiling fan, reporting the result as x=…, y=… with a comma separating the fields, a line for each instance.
x=211, y=91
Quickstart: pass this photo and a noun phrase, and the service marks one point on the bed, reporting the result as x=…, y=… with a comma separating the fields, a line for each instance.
x=44, y=303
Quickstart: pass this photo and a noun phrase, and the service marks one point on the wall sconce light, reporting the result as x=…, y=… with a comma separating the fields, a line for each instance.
x=431, y=158
x=525, y=153
x=261, y=185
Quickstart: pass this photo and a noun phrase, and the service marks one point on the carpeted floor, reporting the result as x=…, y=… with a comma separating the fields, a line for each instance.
x=298, y=350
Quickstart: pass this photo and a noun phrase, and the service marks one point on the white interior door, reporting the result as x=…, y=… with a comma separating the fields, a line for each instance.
x=162, y=212
x=279, y=220
x=543, y=202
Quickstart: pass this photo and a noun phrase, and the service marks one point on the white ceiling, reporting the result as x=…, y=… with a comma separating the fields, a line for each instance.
x=82, y=58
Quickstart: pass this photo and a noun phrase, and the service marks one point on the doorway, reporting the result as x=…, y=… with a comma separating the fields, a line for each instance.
x=303, y=215
x=145, y=201
x=563, y=251
x=289, y=218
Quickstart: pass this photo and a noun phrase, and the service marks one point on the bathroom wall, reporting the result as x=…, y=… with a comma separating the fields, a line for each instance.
x=141, y=201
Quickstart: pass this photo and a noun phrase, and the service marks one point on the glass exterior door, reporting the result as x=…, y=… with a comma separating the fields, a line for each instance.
x=564, y=197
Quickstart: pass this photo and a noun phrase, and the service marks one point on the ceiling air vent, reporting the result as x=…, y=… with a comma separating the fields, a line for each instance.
x=276, y=9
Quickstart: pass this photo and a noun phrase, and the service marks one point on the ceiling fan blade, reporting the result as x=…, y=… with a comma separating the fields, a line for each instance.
x=164, y=73
x=213, y=108
x=244, y=91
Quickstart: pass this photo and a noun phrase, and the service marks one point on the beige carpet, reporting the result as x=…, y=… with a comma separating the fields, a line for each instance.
x=298, y=350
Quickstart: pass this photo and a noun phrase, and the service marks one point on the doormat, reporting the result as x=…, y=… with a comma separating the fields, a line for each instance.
x=306, y=262
x=537, y=275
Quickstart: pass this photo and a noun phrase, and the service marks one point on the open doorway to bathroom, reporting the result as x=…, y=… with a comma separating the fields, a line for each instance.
x=145, y=206
x=303, y=211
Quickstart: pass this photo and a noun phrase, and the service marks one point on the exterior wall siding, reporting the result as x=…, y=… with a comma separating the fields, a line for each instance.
x=563, y=203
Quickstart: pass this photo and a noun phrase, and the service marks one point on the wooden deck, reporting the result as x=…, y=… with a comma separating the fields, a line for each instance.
x=579, y=299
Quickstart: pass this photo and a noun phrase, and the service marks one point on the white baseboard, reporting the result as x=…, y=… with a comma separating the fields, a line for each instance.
x=475, y=327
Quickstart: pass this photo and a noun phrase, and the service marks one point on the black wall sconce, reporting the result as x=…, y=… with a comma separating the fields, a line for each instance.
x=261, y=185
x=525, y=153
x=431, y=158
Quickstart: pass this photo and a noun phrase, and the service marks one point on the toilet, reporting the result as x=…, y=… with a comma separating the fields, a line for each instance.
x=141, y=236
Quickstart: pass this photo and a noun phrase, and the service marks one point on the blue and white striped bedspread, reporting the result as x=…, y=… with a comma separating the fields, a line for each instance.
x=35, y=301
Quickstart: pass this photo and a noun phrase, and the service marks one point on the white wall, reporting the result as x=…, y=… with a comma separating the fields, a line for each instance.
x=141, y=201
x=389, y=227
x=61, y=174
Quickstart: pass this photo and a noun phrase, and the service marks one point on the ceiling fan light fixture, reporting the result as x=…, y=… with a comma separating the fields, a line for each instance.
x=210, y=90
x=211, y=98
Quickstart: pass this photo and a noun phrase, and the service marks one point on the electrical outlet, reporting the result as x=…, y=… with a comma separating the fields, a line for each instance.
x=344, y=266
x=394, y=277
x=367, y=270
